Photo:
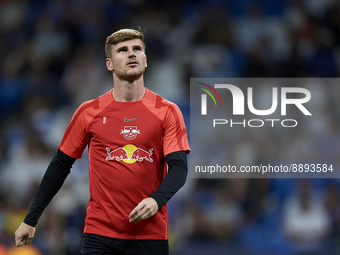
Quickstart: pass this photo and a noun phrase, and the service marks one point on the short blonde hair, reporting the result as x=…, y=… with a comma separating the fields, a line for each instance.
x=122, y=35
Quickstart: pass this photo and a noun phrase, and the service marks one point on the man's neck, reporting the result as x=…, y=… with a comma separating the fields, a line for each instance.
x=126, y=91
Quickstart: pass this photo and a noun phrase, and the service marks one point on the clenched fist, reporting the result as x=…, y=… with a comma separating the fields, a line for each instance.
x=24, y=235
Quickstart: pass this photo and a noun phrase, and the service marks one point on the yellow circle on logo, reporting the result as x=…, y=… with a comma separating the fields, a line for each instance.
x=129, y=148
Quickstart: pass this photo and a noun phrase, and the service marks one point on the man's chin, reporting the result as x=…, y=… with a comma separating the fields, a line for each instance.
x=133, y=75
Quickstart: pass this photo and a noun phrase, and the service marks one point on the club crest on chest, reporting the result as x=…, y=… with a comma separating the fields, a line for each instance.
x=130, y=132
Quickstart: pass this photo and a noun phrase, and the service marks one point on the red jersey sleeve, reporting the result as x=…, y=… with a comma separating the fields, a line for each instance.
x=76, y=136
x=175, y=133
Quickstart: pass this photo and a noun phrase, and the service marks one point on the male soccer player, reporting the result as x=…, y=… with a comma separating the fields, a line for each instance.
x=132, y=135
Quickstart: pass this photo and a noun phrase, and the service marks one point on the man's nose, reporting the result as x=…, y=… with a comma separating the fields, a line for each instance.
x=132, y=54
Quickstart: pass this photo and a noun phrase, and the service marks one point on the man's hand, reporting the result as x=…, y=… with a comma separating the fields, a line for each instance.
x=24, y=235
x=145, y=209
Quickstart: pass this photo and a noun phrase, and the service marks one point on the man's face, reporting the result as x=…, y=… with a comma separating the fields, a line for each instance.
x=128, y=60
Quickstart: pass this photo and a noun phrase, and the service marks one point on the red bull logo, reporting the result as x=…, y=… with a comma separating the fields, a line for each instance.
x=129, y=154
x=130, y=132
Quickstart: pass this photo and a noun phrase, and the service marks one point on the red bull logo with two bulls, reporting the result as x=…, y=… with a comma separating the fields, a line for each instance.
x=129, y=154
x=130, y=132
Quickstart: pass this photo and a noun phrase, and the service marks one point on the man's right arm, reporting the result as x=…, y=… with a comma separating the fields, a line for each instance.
x=55, y=175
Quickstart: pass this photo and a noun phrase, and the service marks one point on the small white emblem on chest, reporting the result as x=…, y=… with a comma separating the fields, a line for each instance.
x=128, y=120
x=130, y=132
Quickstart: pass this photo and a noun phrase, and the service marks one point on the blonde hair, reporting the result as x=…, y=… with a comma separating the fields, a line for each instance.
x=122, y=35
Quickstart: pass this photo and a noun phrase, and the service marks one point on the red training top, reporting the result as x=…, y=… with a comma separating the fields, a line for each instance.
x=127, y=143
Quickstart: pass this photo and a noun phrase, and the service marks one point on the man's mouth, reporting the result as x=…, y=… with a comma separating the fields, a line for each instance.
x=132, y=63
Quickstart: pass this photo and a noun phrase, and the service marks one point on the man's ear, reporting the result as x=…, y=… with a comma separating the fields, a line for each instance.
x=109, y=65
x=146, y=62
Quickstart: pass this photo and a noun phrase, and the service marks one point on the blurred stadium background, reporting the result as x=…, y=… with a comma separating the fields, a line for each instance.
x=52, y=59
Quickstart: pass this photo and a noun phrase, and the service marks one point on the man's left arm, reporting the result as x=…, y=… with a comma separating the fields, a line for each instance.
x=173, y=181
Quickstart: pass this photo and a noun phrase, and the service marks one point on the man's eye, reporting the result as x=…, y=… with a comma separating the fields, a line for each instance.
x=121, y=50
x=138, y=48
